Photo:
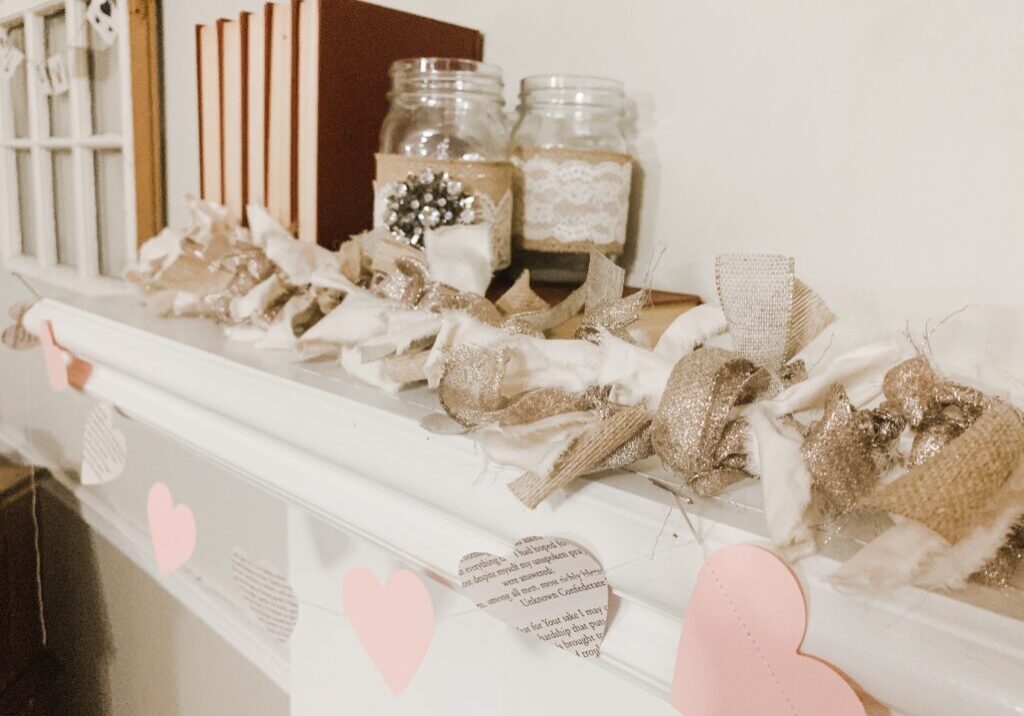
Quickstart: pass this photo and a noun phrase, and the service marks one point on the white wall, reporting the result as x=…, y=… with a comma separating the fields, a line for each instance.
x=879, y=142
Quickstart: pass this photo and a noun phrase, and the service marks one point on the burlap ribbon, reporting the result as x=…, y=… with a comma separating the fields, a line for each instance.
x=695, y=431
x=964, y=449
x=618, y=440
x=939, y=410
x=952, y=491
x=772, y=315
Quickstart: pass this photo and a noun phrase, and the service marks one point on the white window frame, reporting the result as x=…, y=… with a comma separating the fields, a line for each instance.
x=82, y=143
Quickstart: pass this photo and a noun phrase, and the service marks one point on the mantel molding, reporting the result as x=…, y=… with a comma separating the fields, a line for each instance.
x=358, y=459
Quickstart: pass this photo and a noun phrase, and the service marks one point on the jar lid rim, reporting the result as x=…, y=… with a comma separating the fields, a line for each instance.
x=446, y=65
x=534, y=83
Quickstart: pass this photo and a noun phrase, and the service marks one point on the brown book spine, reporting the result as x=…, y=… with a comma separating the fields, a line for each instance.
x=358, y=42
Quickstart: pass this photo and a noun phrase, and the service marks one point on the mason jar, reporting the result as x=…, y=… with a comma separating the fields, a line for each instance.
x=446, y=123
x=573, y=175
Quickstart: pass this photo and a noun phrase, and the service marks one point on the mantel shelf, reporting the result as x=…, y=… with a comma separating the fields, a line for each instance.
x=357, y=458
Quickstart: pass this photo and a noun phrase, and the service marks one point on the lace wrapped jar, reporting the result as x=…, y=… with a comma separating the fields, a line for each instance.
x=446, y=125
x=573, y=175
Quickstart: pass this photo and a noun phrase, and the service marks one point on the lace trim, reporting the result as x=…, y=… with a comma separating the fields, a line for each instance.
x=572, y=202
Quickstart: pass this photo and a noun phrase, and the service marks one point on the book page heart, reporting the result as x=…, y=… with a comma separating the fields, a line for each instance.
x=16, y=336
x=104, y=448
x=553, y=589
x=172, y=529
x=267, y=593
x=395, y=624
x=739, y=649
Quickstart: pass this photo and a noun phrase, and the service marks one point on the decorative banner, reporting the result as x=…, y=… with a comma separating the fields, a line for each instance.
x=57, y=72
x=42, y=77
x=101, y=16
x=104, y=450
x=10, y=59
x=53, y=357
x=554, y=589
x=61, y=370
x=172, y=529
x=395, y=624
x=739, y=649
x=16, y=336
x=267, y=593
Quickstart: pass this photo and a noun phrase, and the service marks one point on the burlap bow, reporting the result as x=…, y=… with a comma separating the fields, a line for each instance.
x=695, y=430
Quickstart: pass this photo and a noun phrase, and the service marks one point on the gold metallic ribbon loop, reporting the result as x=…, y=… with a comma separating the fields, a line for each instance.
x=694, y=431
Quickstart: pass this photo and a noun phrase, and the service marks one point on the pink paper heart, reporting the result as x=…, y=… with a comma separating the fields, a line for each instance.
x=172, y=529
x=62, y=368
x=53, y=358
x=739, y=649
x=395, y=624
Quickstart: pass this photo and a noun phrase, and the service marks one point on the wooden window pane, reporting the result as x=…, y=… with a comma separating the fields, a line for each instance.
x=26, y=203
x=64, y=207
x=104, y=66
x=56, y=43
x=18, y=85
x=110, y=213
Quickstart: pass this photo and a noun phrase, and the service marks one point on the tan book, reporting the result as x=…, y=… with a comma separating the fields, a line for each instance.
x=211, y=151
x=234, y=72
x=256, y=117
x=282, y=144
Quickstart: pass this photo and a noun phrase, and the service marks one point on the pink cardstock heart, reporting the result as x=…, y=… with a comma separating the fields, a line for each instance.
x=739, y=649
x=172, y=529
x=53, y=358
x=395, y=624
x=62, y=368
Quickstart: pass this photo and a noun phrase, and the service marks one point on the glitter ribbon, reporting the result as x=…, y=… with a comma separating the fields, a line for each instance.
x=694, y=431
x=471, y=392
x=846, y=451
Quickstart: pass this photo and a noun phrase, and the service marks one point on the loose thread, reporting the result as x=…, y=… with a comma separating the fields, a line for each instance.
x=35, y=524
x=26, y=284
x=39, y=557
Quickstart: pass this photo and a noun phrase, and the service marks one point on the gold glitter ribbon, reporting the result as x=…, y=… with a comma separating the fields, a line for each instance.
x=216, y=272
x=694, y=431
x=410, y=285
x=471, y=392
x=846, y=451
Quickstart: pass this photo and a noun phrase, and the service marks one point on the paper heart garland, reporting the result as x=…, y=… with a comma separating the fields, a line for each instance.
x=395, y=624
x=53, y=358
x=739, y=650
x=553, y=589
x=100, y=15
x=267, y=593
x=104, y=449
x=61, y=370
x=16, y=336
x=172, y=529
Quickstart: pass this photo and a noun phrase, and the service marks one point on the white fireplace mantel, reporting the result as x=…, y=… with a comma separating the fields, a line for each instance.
x=357, y=458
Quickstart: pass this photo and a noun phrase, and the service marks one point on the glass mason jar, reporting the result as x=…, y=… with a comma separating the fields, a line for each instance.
x=446, y=124
x=573, y=175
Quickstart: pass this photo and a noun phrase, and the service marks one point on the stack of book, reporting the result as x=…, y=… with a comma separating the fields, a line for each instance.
x=291, y=99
